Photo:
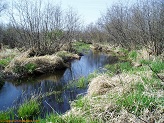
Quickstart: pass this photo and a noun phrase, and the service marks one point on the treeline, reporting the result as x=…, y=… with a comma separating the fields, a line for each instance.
x=47, y=27
x=43, y=27
x=135, y=26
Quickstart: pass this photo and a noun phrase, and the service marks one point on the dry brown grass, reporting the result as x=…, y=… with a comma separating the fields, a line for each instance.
x=43, y=64
x=9, y=53
x=101, y=47
x=67, y=55
x=116, y=84
x=103, y=93
x=100, y=85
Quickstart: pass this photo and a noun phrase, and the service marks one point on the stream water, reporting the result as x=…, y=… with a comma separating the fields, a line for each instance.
x=13, y=93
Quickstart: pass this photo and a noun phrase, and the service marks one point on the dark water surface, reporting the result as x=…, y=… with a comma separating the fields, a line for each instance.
x=16, y=92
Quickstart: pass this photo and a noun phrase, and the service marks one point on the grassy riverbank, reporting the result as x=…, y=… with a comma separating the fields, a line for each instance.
x=128, y=91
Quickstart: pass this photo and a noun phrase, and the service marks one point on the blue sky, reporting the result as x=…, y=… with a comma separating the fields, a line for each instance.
x=89, y=10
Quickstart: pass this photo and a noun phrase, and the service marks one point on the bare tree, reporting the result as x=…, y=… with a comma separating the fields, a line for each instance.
x=139, y=25
x=43, y=27
x=2, y=5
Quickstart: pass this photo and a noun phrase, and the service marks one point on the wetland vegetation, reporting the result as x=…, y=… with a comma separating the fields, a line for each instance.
x=55, y=70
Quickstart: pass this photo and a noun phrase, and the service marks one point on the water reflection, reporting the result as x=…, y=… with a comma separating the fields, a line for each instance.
x=15, y=92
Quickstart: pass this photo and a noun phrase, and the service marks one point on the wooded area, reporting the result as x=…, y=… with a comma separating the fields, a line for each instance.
x=47, y=27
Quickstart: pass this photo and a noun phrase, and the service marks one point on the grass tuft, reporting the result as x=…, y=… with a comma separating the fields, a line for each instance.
x=81, y=46
x=26, y=69
x=133, y=55
x=157, y=66
x=6, y=115
x=29, y=109
x=5, y=61
x=55, y=118
x=136, y=102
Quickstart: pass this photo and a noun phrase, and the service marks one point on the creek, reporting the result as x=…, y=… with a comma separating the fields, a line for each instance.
x=15, y=92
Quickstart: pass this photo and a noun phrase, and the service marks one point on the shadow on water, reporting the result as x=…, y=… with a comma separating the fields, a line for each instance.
x=16, y=92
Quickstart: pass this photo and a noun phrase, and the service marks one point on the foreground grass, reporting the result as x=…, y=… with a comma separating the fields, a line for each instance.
x=6, y=115
x=66, y=119
x=29, y=109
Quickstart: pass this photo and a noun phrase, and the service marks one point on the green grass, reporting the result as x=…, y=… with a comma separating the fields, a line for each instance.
x=125, y=66
x=55, y=118
x=26, y=69
x=135, y=102
x=157, y=66
x=29, y=109
x=82, y=82
x=81, y=46
x=80, y=102
x=145, y=62
x=133, y=55
x=139, y=87
x=6, y=115
x=121, y=67
x=153, y=83
x=5, y=61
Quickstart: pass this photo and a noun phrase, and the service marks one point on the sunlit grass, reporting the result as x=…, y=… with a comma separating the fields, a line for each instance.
x=5, y=61
x=29, y=109
x=81, y=46
x=6, y=115
x=136, y=102
x=55, y=118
